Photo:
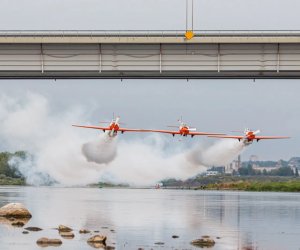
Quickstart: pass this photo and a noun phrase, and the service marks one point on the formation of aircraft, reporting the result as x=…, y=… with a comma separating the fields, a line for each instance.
x=113, y=128
x=183, y=130
x=249, y=136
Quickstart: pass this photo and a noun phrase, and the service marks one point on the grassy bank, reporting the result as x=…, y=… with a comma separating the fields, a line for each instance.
x=282, y=186
x=4, y=180
x=245, y=183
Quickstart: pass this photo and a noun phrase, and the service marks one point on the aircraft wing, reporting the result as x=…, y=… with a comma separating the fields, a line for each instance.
x=204, y=133
x=164, y=131
x=270, y=137
x=133, y=130
x=106, y=128
x=228, y=136
x=178, y=133
x=92, y=127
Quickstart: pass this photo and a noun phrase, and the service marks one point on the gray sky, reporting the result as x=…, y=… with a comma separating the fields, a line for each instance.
x=211, y=105
x=148, y=14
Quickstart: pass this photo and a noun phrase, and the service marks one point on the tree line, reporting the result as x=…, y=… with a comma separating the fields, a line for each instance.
x=281, y=171
x=5, y=169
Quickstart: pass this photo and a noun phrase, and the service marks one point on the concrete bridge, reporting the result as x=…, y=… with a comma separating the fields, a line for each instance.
x=149, y=54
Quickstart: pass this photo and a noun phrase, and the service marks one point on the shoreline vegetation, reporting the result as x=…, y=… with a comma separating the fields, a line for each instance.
x=224, y=183
x=237, y=183
x=257, y=186
x=9, y=175
x=9, y=181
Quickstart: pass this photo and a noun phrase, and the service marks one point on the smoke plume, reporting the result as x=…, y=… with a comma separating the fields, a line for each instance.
x=59, y=153
x=103, y=150
x=221, y=153
x=27, y=123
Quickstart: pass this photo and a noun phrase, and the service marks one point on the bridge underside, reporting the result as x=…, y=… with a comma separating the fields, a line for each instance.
x=148, y=75
x=121, y=60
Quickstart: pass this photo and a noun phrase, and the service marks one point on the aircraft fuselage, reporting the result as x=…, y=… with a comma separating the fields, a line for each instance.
x=184, y=131
x=114, y=127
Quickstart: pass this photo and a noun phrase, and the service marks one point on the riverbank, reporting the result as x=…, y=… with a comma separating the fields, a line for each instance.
x=245, y=183
x=259, y=186
x=250, y=183
x=4, y=180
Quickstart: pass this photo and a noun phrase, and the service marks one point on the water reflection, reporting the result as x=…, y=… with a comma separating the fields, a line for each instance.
x=139, y=218
x=11, y=222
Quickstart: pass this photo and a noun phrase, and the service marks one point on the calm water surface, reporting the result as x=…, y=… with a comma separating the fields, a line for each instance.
x=142, y=217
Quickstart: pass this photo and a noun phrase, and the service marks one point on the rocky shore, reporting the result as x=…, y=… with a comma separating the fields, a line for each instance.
x=17, y=215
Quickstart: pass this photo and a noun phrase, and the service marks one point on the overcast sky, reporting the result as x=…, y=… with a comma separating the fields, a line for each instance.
x=211, y=105
x=148, y=14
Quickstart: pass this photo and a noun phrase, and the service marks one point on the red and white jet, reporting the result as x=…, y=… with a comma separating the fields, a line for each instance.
x=184, y=130
x=249, y=136
x=113, y=128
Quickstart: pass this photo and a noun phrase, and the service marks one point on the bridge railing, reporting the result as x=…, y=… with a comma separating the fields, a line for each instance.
x=144, y=33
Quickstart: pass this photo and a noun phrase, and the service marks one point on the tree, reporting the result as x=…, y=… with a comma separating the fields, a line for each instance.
x=265, y=172
x=285, y=171
x=5, y=168
x=296, y=173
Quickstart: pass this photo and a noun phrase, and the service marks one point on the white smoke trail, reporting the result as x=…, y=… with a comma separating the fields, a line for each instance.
x=103, y=150
x=61, y=154
x=29, y=170
x=28, y=124
x=219, y=154
x=141, y=163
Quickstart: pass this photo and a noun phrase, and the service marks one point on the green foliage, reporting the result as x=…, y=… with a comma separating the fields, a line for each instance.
x=4, y=180
x=282, y=171
x=260, y=163
x=171, y=182
x=274, y=186
x=8, y=174
x=297, y=173
x=248, y=170
x=110, y=185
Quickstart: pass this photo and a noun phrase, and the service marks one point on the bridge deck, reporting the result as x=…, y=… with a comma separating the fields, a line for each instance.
x=148, y=37
x=149, y=54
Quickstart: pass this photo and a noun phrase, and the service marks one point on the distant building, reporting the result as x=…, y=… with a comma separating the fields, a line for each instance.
x=211, y=173
x=215, y=171
x=233, y=166
x=220, y=170
x=239, y=161
x=253, y=158
x=294, y=162
x=268, y=169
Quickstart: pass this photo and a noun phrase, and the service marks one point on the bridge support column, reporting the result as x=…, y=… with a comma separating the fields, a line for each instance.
x=42, y=59
x=218, y=58
x=278, y=58
x=160, y=57
x=100, y=58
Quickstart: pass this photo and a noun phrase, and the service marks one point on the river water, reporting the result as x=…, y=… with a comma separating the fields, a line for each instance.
x=140, y=218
